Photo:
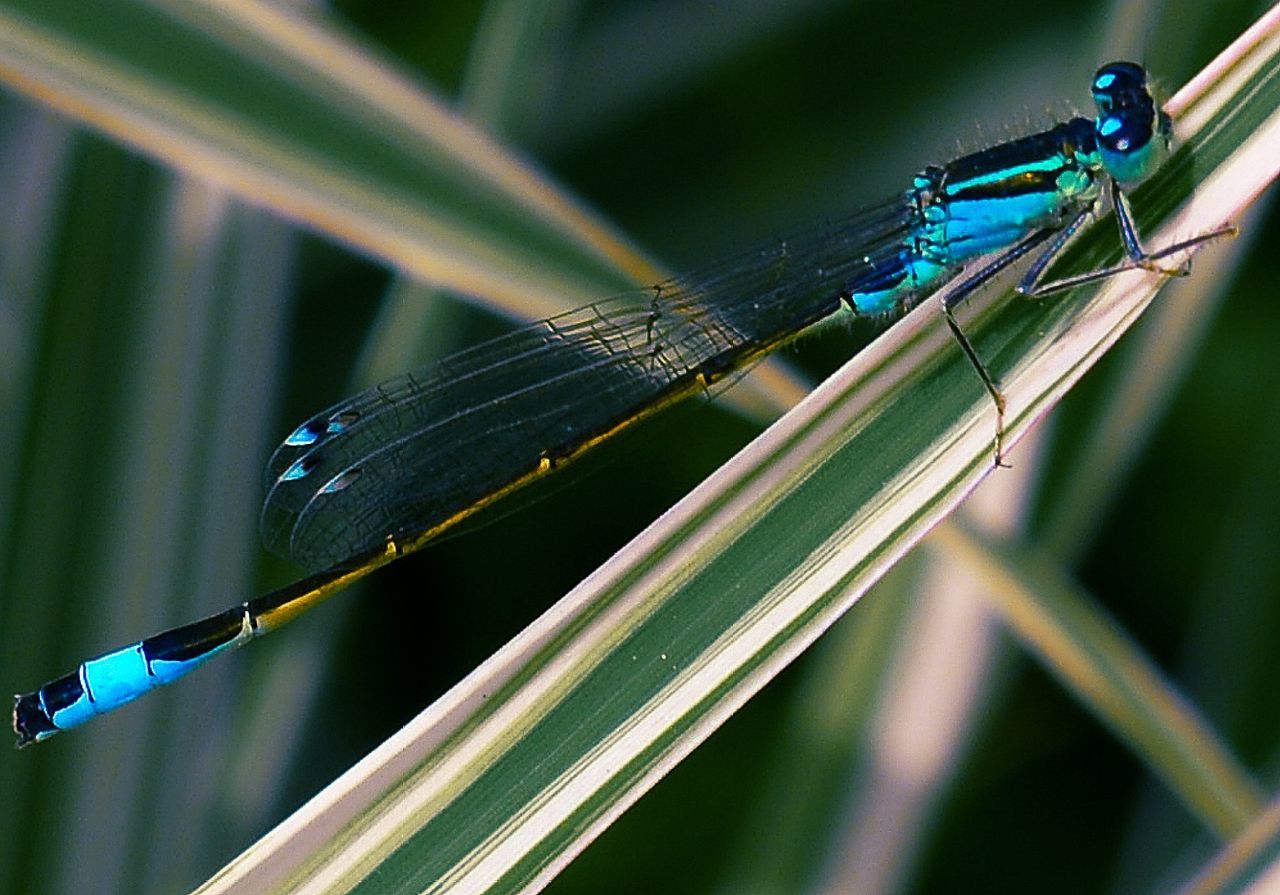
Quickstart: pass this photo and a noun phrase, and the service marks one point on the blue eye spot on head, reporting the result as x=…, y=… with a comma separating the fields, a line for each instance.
x=1103, y=82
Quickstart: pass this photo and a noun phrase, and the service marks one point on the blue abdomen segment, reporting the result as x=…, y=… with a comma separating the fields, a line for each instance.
x=103, y=684
x=888, y=288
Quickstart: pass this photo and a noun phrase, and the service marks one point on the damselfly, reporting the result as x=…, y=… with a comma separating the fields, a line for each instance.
x=383, y=473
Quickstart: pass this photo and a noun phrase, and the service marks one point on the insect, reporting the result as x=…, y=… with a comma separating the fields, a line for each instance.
x=383, y=473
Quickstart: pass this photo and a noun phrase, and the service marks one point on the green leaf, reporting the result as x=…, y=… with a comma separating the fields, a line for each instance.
x=309, y=123
x=1250, y=863
x=1079, y=643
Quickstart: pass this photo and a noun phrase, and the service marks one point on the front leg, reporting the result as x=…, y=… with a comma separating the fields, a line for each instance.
x=1138, y=258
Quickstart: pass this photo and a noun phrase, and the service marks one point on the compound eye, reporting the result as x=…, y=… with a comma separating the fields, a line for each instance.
x=1119, y=76
x=1118, y=86
x=1117, y=134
